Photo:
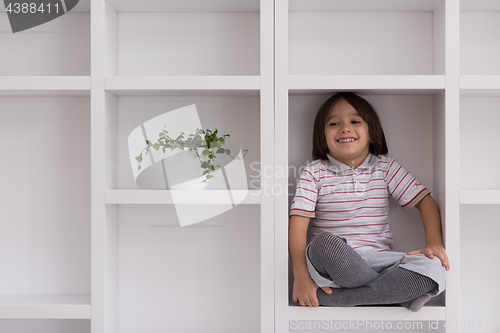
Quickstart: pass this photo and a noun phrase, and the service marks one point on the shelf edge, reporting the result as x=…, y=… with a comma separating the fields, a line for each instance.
x=182, y=197
x=45, y=307
x=231, y=83
x=44, y=83
x=367, y=82
x=480, y=197
x=427, y=313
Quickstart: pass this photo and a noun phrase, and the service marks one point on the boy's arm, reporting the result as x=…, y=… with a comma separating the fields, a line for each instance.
x=297, y=245
x=304, y=287
x=429, y=213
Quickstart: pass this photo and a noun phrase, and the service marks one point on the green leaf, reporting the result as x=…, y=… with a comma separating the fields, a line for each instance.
x=139, y=158
x=156, y=146
x=228, y=152
x=205, y=165
x=205, y=172
x=210, y=176
x=139, y=168
x=206, y=152
x=220, y=151
x=149, y=143
x=221, y=139
x=147, y=151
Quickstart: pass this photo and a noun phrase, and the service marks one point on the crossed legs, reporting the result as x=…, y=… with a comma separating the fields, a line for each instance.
x=334, y=258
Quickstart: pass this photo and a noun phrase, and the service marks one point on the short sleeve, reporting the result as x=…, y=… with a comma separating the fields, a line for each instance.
x=306, y=195
x=403, y=187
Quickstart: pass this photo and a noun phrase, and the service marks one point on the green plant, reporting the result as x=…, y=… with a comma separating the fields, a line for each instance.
x=208, y=140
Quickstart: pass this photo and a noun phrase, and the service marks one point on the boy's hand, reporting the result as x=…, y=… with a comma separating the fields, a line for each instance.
x=304, y=292
x=432, y=250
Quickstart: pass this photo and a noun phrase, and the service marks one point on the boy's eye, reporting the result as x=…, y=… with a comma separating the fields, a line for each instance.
x=334, y=124
x=355, y=122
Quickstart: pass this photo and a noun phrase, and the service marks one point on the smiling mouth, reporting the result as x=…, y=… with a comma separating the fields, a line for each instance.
x=346, y=140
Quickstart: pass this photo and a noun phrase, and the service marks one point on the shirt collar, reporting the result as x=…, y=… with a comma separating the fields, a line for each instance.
x=336, y=166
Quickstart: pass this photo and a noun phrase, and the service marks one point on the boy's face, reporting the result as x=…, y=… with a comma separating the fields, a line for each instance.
x=347, y=135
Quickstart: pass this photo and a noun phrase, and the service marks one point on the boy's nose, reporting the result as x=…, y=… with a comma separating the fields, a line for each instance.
x=345, y=129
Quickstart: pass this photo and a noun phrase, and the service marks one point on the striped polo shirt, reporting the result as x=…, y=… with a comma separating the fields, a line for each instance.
x=354, y=203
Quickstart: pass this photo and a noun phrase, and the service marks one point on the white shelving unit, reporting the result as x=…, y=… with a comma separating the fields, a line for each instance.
x=87, y=250
x=479, y=196
x=402, y=56
x=45, y=198
x=150, y=57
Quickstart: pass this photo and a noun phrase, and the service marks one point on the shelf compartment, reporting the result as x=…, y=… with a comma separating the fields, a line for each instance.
x=44, y=86
x=478, y=139
x=413, y=125
x=44, y=307
x=479, y=229
x=60, y=47
x=430, y=312
x=45, y=195
x=193, y=42
x=480, y=38
x=127, y=197
x=479, y=197
x=388, y=84
x=218, y=110
x=161, y=266
x=175, y=85
x=398, y=38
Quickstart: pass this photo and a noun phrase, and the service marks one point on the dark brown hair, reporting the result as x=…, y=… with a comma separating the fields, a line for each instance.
x=378, y=146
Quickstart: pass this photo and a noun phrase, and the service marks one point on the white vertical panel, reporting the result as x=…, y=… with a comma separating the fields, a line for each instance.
x=111, y=269
x=281, y=163
x=439, y=164
x=439, y=39
x=267, y=165
x=111, y=40
x=98, y=217
x=439, y=150
x=111, y=144
x=451, y=216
